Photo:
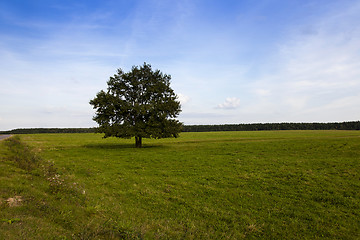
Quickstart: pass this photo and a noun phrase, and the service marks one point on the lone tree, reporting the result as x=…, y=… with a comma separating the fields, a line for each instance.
x=139, y=104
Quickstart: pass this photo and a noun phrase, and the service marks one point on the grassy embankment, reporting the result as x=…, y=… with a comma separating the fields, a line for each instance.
x=270, y=185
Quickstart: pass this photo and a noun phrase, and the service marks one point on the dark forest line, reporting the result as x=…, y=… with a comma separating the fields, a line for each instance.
x=354, y=125
x=48, y=130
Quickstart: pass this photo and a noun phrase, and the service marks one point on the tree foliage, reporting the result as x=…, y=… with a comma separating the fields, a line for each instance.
x=139, y=104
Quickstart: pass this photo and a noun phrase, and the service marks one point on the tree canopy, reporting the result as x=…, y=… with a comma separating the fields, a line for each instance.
x=140, y=104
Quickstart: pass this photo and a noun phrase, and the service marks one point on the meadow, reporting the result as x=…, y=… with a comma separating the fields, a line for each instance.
x=211, y=185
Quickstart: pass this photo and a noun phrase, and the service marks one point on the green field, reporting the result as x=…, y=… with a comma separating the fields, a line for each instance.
x=218, y=185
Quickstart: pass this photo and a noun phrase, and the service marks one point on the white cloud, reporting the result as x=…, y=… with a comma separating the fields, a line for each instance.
x=183, y=98
x=230, y=103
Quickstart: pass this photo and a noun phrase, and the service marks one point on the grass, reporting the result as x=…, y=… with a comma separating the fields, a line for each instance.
x=219, y=185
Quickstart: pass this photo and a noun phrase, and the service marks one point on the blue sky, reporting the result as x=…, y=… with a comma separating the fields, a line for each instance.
x=240, y=61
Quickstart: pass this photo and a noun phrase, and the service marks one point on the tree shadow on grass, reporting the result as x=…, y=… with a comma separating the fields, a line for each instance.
x=119, y=146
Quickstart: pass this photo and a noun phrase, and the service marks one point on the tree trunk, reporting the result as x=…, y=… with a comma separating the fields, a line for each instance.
x=138, y=141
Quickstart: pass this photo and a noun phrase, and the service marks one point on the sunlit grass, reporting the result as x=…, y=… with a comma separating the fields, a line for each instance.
x=270, y=185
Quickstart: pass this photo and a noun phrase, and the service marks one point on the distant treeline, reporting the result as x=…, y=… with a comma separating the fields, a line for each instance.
x=49, y=130
x=273, y=126
x=355, y=125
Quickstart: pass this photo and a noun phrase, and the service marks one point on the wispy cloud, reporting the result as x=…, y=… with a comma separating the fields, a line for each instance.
x=316, y=71
x=298, y=64
x=230, y=103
